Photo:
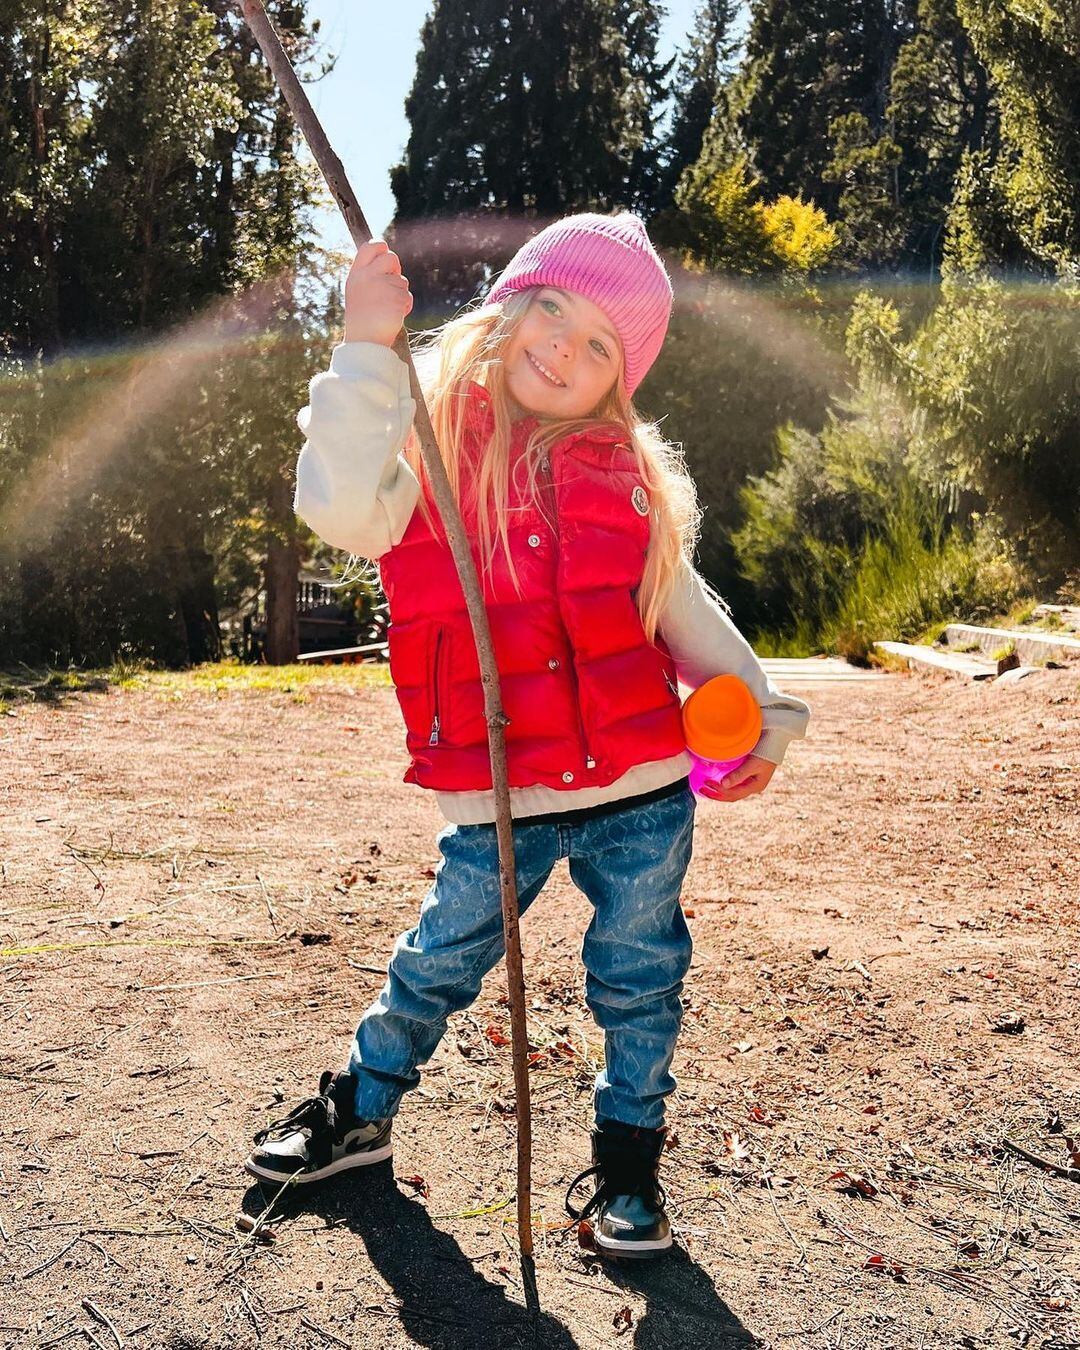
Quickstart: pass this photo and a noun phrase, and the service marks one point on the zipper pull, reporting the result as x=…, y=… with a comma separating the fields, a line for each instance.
x=433, y=739
x=672, y=687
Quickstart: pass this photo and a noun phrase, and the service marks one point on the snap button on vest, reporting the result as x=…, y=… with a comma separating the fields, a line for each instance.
x=553, y=664
x=534, y=540
x=568, y=777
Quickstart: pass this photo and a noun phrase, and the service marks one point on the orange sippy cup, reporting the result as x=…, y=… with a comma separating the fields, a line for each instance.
x=722, y=723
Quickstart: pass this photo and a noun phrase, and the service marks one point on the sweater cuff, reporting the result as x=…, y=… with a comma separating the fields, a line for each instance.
x=772, y=744
x=370, y=359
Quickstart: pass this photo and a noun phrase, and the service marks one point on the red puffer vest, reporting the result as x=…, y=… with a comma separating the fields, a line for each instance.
x=587, y=695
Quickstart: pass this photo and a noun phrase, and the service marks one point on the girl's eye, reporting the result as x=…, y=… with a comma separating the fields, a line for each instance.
x=554, y=306
x=599, y=346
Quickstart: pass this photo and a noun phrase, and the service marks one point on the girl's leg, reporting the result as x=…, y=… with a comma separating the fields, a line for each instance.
x=437, y=967
x=631, y=865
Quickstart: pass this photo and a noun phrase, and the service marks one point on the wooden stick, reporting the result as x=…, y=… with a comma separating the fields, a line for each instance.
x=1069, y=1173
x=334, y=173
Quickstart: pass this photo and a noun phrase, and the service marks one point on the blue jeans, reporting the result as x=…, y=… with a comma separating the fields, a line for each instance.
x=630, y=864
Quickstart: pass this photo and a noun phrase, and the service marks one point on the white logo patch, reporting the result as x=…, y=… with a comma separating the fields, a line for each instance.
x=640, y=500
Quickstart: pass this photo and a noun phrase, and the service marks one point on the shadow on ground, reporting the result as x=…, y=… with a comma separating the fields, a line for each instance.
x=684, y=1309
x=442, y=1300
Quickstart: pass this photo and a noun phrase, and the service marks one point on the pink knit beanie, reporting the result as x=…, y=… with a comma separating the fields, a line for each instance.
x=611, y=260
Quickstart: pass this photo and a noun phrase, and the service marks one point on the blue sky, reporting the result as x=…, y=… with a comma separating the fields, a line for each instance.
x=361, y=103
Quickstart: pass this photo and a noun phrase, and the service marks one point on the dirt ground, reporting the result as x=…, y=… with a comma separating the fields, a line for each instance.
x=198, y=895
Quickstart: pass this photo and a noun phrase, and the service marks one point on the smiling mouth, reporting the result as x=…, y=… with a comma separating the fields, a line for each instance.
x=549, y=375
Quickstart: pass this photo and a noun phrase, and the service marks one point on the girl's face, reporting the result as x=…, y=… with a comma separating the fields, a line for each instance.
x=563, y=357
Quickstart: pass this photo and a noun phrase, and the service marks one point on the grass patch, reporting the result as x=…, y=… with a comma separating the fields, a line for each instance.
x=906, y=583
x=934, y=633
x=802, y=641
x=888, y=661
x=219, y=677
x=1022, y=615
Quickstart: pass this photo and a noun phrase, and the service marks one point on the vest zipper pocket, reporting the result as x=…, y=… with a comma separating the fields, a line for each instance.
x=436, y=724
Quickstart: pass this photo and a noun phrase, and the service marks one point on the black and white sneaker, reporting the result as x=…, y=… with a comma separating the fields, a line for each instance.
x=320, y=1137
x=626, y=1209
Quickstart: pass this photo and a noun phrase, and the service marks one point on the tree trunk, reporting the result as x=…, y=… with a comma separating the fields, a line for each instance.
x=46, y=326
x=198, y=604
x=282, y=575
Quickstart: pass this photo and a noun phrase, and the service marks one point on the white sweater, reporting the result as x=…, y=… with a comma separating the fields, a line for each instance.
x=355, y=489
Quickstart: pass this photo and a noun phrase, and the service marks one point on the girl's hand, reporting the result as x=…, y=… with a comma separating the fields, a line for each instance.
x=377, y=296
x=751, y=776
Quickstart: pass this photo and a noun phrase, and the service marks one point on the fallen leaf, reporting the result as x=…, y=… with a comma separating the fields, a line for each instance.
x=879, y=1263
x=734, y=1146
x=264, y=1232
x=622, y=1321
x=417, y=1183
x=495, y=1036
x=854, y=1181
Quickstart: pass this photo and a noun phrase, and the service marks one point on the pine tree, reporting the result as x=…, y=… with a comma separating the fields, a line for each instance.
x=895, y=187
x=1019, y=208
x=172, y=181
x=805, y=66
x=45, y=64
x=699, y=80
x=939, y=105
x=517, y=113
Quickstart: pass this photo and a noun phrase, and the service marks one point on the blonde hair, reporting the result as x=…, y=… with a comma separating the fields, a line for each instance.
x=469, y=347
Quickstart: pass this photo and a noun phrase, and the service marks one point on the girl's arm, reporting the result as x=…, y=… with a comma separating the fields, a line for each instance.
x=353, y=487
x=704, y=642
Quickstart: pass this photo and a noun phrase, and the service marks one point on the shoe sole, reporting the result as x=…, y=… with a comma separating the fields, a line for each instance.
x=643, y=1249
x=344, y=1164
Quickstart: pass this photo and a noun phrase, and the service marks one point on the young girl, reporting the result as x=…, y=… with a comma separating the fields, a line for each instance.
x=583, y=521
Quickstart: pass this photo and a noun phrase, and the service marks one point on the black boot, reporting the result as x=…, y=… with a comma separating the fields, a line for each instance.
x=627, y=1207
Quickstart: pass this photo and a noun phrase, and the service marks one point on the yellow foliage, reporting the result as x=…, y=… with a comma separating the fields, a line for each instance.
x=799, y=233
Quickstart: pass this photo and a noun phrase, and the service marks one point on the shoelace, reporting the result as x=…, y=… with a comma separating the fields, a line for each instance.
x=610, y=1186
x=317, y=1113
